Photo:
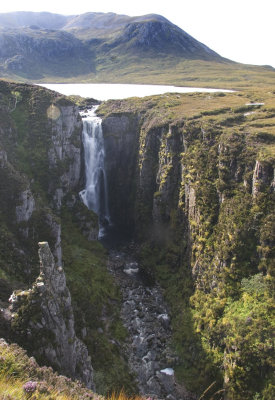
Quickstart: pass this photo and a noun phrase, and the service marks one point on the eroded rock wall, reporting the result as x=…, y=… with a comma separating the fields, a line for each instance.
x=203, y=215
x=121, y=135
x=45, y=313
x=40, y=141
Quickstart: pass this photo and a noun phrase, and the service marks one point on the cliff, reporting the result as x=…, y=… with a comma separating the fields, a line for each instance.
x=45, y=313
x=41, y=174
x=203, y=211
x=191, y=179
x=40, y=164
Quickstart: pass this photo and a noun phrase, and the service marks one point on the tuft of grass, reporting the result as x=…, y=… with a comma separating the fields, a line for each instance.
x=16, y=369
x=122, y=396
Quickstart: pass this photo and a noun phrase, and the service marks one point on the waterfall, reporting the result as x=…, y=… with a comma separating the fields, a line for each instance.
x=95, y=194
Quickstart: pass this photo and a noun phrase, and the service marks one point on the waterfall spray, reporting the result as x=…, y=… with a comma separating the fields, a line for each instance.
x=95, y=194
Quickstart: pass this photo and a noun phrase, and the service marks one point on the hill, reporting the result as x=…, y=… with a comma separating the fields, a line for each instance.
x=107, y=47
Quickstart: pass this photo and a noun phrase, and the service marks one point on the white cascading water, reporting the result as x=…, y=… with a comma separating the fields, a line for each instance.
x=95, y=194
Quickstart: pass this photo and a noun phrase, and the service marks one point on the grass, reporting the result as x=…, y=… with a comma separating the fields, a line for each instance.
x=17, y=369
x=221, y=109
x=161, y=71
x=12, y=389
x=122, y=396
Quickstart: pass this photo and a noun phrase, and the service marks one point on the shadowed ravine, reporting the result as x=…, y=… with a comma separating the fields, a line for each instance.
x=190, y=192
x=146, y=317
x=144, y=312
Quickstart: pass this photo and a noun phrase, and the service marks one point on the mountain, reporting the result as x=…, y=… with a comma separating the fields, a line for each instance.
x=107, y=47
x=20, y=19
x=33, y=53
x=149, y=32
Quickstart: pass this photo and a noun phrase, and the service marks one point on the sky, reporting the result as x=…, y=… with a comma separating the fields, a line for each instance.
x=241, y=30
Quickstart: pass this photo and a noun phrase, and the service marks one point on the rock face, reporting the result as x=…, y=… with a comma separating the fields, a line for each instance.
x=203, y=211
x=40, y=177
x=45, y=312
x=40, y=158
x=162, y=36
x=64, y=151
x=263, y=177
x=25, y=210
x=121, y=147
x=143, y=162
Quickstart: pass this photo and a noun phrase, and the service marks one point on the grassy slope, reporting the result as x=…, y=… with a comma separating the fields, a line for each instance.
x=16, y=369
x=134, y=70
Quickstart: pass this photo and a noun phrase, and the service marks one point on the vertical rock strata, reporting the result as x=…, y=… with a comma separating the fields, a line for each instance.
x=203, y=212
x=45, y=313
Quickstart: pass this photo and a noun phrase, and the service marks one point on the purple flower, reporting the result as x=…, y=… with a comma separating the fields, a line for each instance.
x=30, y=387
x=88, y=395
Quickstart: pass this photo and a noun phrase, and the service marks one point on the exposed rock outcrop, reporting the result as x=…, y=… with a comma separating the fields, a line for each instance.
x=25, y=209
x=64, y=152
x=263, y=176
x=45, y=313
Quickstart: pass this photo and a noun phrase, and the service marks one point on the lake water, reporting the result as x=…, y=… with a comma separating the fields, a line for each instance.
x=106, y=91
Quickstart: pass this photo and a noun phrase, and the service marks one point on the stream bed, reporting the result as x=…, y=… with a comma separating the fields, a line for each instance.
x=145, y=315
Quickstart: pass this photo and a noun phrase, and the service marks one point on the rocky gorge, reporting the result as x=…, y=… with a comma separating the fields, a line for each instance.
x=145, y=314
x=190, y=179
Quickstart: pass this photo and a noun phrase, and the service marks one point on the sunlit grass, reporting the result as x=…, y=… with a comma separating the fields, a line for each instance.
x=122, y=396
x=12, y=389
x=223, y=109
x=17, y=369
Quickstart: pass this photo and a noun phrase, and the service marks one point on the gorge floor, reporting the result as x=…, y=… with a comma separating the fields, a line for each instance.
x=146, y=316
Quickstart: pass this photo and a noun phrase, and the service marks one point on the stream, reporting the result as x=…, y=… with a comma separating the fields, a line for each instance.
x=144, y=312
x=145, y=315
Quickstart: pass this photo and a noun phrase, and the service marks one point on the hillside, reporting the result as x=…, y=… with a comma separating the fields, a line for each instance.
x=98, y=47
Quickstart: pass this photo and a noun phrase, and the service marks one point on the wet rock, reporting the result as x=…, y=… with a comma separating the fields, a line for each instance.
x=3, y=158
x=167, y=380
x=145, y=315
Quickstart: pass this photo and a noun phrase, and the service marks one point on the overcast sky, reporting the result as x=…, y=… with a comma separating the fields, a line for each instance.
x=242, y=30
